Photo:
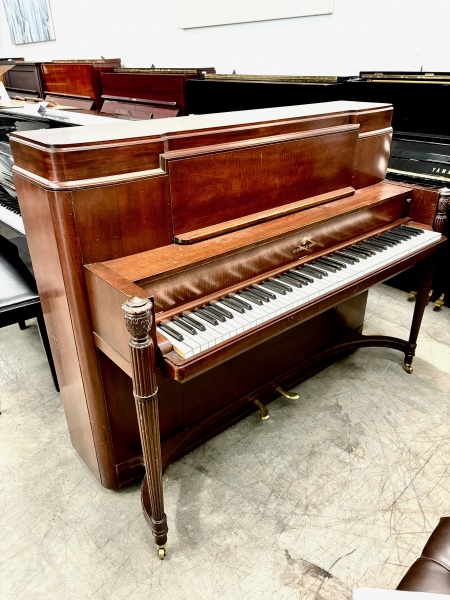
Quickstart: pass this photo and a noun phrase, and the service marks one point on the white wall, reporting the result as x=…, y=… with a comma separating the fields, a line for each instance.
x=359, y=35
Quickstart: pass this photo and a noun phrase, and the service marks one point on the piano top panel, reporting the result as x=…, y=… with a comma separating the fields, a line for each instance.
x=76, y=154
x=130, y=130
x=268, y=173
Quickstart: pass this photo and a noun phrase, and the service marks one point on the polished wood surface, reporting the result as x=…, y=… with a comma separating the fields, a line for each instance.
x=105, y=209
x=155, y=85
x=105, y=193
x=77, y=78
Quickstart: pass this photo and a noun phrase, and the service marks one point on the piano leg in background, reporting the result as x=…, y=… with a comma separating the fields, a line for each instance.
x=138, y=319
x=428, y=267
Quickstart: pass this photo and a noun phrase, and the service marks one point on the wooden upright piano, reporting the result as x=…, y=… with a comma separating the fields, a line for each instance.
x=241, y=247
x=149, y=93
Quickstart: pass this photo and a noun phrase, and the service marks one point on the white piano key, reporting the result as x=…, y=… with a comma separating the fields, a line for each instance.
x=283, y=303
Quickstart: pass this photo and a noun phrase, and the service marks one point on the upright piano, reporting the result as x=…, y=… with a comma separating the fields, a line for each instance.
x=76, y=80
x=238, y=246
x=148, y=93
x=221, y=92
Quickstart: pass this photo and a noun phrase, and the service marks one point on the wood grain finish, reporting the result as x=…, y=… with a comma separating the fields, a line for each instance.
x=102, y=207
x=165, y=87
x=77, y=78
x=106, y=195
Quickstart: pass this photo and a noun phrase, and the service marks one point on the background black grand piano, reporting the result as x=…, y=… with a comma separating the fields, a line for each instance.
x=420, y=150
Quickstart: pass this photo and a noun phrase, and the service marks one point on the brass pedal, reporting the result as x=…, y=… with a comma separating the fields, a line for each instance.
x=263, y=412
x=290, y=395
x=440, y=301
x=430, y=293
x=412, y=294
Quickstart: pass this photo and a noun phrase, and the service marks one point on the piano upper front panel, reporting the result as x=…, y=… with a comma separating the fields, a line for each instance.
x=272, y=172
x=123, y=219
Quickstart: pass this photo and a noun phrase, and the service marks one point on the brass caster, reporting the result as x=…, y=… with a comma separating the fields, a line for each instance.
x=412, y=293
x=263, y=412
x=440, y=301
x=408, y=368
x=161, y=552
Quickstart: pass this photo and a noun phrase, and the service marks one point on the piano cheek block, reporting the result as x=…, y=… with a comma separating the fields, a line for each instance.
x=239, y=191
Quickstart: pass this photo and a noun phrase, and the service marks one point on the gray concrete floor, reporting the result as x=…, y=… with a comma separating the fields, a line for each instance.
x=337, y=490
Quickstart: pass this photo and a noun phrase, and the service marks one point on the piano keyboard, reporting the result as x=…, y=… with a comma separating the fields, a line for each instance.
x=10, y=213
x=207, y=326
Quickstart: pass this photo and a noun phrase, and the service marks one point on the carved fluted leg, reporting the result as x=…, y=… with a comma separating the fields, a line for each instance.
x=428, y=268
x=440, y=220
x=138, y=319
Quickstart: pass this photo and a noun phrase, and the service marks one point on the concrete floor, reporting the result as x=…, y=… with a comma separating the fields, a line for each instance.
x=337, y=490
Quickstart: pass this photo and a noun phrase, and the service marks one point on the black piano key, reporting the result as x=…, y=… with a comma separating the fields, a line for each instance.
x=184, y=325
x=234, y=305
x=306, y=278
x=280, y=284
x=365, y=246
x=270, y=286
x=224, y=311
x=262, y=290
x=263, y=294
x=307, y=270
x=334, y=262
x=240, y=301
x=203, y=314
x=171, y=331
x=315, y=270
x=215, y=313
x=381, y=240
x=413, y=230
x=391, y=238
x=362, y=251
x=193, y=322
x=376, y=242
x=323, y=265
x=399, y=234
x=290, y=280
x=357, y=255
x=373, y=247
x=345, y=257
x=251, y=297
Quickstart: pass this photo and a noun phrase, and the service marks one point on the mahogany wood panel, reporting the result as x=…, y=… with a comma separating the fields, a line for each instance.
x=368, y=171
x=276, y=172
x=77, y=78
x=151, y=86
x=68, y=100
x=138, y=110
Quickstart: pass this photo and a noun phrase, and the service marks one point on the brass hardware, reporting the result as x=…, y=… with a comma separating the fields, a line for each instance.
x=263, y=412
x=161, y=552
x=412, y=293
x=408, y=368
x=440, y=301
x=430, y=293
x=290, y=395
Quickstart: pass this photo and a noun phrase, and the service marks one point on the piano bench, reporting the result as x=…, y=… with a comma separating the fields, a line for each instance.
x=19, y=300
x=431, y=572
